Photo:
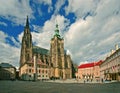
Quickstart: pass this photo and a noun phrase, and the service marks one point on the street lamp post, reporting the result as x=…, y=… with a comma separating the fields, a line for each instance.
x=35, y=69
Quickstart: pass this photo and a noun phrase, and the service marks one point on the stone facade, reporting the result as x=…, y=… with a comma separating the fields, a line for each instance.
x=47, y=64
x=28, y=71
x=110, y=68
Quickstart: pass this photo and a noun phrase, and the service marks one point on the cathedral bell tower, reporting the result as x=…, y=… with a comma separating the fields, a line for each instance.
x=57, y=55
x=26, y=47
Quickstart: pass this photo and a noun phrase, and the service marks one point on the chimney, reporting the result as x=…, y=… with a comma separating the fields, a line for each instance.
x=116, y=47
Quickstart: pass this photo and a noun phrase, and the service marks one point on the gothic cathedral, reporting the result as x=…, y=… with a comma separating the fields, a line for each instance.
x=42, y=63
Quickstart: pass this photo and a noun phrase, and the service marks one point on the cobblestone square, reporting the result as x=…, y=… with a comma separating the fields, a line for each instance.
x=51, y=87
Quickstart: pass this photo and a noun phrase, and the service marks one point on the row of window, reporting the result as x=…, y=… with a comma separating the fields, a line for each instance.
x=38, y=66
x=42, y=75
x=39, y=71
x=110, y=64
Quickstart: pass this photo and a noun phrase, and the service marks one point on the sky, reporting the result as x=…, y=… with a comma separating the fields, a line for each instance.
x=90, y=28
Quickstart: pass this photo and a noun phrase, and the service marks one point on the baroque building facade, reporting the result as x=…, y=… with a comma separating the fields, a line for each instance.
x=89, y=71
x=110, y=68
x=39, y=63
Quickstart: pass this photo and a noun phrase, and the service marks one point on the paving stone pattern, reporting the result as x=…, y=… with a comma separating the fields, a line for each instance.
x=54, y=87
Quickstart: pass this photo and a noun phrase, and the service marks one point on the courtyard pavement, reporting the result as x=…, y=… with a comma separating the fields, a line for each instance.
x=57, y=87
x=78, y=81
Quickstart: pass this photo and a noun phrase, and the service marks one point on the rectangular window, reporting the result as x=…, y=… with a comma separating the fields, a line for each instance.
x=39, y=71
x=42, y=71
x=46, y=71
x=29, y=70
x=29, y=75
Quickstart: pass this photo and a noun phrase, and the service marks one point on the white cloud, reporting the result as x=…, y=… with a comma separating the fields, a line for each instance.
x=36, y=28
x=42, y=39
x=8, y=54
x=45, y=2
x=3, y=36
x=20, y=37
x=92, y=39
x=16, y=43
x=58, y=5
x=113, y=38
x=107, y=8
x=15, y=10
x=81, y=7
x=87, y=40
x=78, y=32
x=48, y=2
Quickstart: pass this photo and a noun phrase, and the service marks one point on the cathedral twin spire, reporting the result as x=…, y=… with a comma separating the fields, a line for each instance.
x=56, y=30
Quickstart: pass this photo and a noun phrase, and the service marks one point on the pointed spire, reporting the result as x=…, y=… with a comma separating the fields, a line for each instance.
x=57, y=30
x=27, y=29
x=27, y=22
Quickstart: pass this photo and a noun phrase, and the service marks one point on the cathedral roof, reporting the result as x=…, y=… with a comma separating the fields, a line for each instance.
x=40, y=50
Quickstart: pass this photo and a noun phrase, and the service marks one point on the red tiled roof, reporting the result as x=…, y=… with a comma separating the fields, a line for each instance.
x=87, y=65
